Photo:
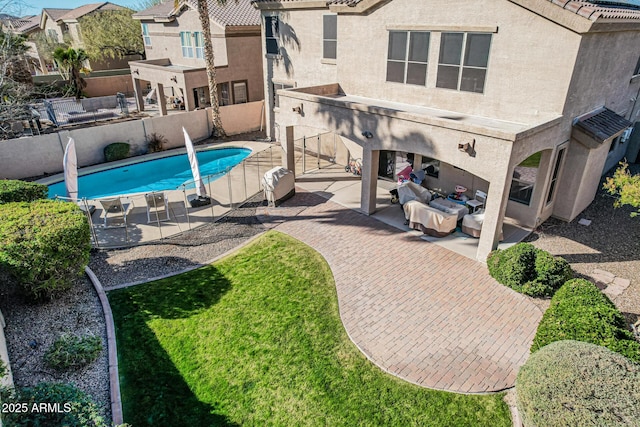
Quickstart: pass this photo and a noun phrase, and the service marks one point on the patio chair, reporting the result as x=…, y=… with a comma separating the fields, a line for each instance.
x=157, y=203
x=115, y=207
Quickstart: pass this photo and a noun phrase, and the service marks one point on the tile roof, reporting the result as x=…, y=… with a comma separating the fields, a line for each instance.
x=595, y=9
x=161, y=10
x=233, y=13
x=603, y=124
x=81, y=11
x=55, y=14
x=24, y=24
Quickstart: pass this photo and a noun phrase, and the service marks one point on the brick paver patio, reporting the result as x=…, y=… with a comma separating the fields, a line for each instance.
x=415, y=309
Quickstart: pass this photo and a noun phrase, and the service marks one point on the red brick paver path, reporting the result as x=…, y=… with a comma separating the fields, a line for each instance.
x=415, y=309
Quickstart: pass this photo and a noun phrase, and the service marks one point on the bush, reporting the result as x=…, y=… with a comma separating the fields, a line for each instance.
x=21, y=191
x=579, y=311
x=70, y=351
x=528, y=270
x=44, y=244
x=116, y=151
x=571, y=383
x=75, y=407
x=156, y=142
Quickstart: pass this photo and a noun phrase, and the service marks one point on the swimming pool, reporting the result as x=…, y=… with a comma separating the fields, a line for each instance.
x=166, y=173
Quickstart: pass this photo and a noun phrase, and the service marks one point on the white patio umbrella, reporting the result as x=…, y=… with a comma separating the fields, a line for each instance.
x=70, y=164
x=195, y=169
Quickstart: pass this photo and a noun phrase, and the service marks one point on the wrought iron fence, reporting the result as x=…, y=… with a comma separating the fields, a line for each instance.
x=150, y=217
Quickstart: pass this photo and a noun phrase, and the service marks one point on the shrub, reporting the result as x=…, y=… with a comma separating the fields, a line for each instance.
x=579, y=311
x=116, y=151
x=21, y=191
x=44, y=244
x=76, y=408
x=571, y=383
x=70, y=351
x=528, y=270
x=156, y=142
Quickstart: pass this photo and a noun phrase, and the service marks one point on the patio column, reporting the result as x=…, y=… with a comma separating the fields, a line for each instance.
x=162, y=102
x=495, y=207
x=137, y=88
x=289, y=159
x=370, y=160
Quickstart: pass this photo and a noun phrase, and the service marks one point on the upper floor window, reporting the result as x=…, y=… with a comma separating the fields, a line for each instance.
x=145, y=35
x=53, y=34
x=407, y=57
x=271, y=34
x=463, y=61
x=185, y=41
x=330, y=36
x=199, y=44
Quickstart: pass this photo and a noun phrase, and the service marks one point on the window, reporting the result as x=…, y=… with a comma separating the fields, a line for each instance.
x=524, y=179
x=554, y=177
x=407, y=57
x=145, y=35
x=199, y=45
x=223, y=94
x=240, y=92
x=330, y=36
x=276, y=86
x=468, y=75
x=53, y=34
x=637, y=70
x=271, y=34
x=185, y=41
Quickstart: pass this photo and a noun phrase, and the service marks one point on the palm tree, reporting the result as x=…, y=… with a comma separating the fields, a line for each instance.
x=202, y=8
x=70, y=62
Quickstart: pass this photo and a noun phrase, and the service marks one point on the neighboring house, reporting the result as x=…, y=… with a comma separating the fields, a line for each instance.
x=64, y=25
x=469, y=91
x=175, y=66
x=27, y=26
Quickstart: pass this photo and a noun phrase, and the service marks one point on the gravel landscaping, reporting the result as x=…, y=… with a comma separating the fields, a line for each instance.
x=609, y=243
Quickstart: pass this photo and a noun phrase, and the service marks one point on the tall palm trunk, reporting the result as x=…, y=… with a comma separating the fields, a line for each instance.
x=203, y=14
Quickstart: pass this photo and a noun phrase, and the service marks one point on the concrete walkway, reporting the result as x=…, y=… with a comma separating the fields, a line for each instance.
x=425, y=314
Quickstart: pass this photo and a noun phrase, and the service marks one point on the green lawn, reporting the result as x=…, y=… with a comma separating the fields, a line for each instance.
x=256, y=339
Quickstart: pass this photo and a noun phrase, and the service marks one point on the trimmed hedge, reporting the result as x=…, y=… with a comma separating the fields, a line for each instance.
x=44, y=244
x=74, y=408
x=528, y=270
x=116, y=151
x=571, y=383
x=579, y=311
x=14, y=190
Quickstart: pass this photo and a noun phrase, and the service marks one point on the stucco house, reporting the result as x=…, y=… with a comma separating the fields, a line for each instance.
x=528, y=100
x=64, y=25
x=174, y=47
x=26, y=26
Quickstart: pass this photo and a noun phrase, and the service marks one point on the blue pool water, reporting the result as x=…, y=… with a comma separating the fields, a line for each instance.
x=167, y=173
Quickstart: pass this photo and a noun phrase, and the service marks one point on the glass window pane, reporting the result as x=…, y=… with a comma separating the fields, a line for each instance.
x=419, y=46
x=447, y=77
x=451, y=48
x=417, y=74
x=272, y=46
x=473, y=79
x=240, y=93
x=271, y=26
x=476, y=53
x=398, y=45
x=395, y=71
x=330, y=26
x=329, y=49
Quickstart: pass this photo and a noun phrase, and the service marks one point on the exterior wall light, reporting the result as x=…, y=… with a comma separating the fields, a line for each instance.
x=367, y=134
x=469, y=148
